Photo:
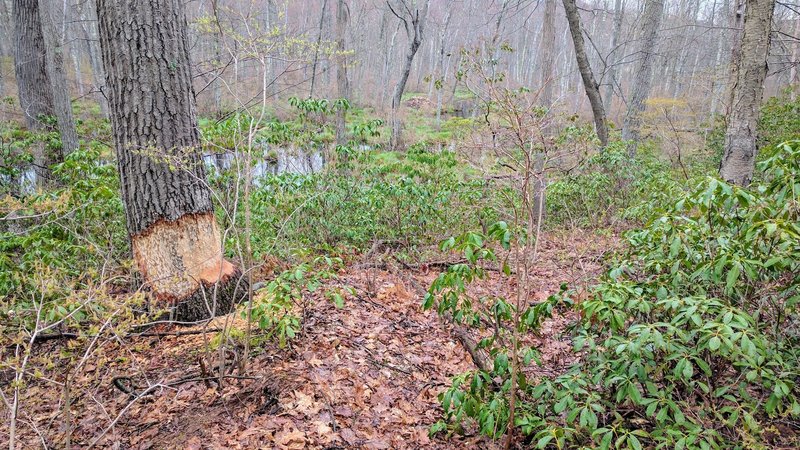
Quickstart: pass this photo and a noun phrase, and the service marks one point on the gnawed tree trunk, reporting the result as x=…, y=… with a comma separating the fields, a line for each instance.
x=738, y=161
x=413, y=19
x=174, y=235
x=33, y=81
x=640, y=91
x=589, y=83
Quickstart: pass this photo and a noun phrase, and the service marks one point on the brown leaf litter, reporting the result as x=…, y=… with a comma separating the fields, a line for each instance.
x=363, y=376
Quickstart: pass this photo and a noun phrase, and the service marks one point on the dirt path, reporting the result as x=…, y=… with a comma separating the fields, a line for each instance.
x=363, y=376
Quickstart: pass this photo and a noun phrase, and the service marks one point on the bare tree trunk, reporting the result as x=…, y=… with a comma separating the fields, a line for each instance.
x=619, y=15
x=170, y=216
x=341, y=72
x=414, y=22
x=640, y=91
x=316, y=50
x=89, y=27
x=548, y=49
x=62, y=102
x=387, y=66
x=589, y=83
x=715, y=83
x=271, y=22
x=738, y=161
x=736, y=51
x=438, y=83
x=33, y=81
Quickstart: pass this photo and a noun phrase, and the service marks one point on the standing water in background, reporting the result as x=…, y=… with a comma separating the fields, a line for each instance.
x=278, y=160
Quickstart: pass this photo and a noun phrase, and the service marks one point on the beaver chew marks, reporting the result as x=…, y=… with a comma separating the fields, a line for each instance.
x=177, y=258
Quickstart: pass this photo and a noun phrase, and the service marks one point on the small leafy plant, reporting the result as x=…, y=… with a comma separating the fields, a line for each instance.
x=280, y=306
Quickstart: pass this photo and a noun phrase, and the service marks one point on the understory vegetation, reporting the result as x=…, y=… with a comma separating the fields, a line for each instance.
x=688, y=340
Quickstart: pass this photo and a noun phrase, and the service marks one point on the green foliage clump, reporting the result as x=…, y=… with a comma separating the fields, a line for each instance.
x=402, y=200
x=56, y=242
x=610, y=186
x=689, y=341
x=780, y=118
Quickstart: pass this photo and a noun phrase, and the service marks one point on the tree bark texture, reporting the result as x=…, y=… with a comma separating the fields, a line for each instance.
x=738, y=161
x=589, y=83
x=33, y=81
x=640, y=91
x=174, y=235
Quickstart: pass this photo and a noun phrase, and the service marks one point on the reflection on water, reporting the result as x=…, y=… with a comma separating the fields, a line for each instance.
x=26, y=182
x=279, y=160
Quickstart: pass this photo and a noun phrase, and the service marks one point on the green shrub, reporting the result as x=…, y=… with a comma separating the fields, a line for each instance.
x=403, y=200
x=611, y=186
x=72, y=234
x=689, y=341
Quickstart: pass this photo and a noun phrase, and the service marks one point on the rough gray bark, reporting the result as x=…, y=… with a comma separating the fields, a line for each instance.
x=342, y=85
x=62, y=102
x=737, y=23
x=589, y=84
x=6, y=39
x=153, y=117
x=738, y=161
x=33, y=81
x=619, y=15
x=413, y=18
x=548, y=50
x=640, y=91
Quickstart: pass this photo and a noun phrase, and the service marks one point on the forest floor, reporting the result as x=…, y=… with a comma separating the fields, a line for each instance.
x=363, y=376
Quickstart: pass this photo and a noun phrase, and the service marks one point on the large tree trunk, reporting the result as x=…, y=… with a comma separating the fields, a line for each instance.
x=33, y=81
x=589, y=83
x=6, y=39
x=414, y=22
x=737, y=22
x=174, y=235
x=738, y=160
x=651, y=21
